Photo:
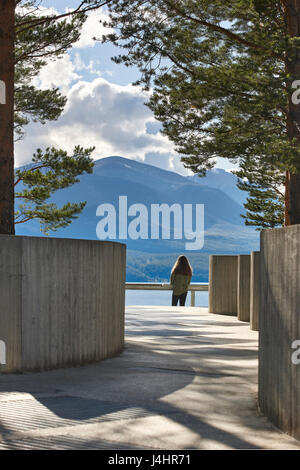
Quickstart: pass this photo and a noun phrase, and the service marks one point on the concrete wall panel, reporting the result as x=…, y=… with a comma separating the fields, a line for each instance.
x=222, y=297
x=279, y=327
x=254, y=290
x=243, y=288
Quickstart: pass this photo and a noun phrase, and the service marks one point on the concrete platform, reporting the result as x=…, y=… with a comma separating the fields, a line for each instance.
x=186, y=380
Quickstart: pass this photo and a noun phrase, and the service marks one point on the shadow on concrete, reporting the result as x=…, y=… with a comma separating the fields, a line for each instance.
x=138, y=384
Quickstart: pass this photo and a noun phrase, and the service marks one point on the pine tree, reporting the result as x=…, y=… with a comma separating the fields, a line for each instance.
x=223, y=77
x=29, y=38
x=50, y=171
x=53, y=169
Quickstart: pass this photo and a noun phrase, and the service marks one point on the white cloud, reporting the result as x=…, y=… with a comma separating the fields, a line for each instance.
x=167, y=161
x=64, y=71
x=59, y=73
x=38, y=11
x=111, y=117
x=92, y=28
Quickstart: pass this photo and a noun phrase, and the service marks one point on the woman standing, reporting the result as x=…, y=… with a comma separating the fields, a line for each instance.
x=181, y=276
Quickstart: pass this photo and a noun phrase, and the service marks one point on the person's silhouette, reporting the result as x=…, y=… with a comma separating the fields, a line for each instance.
x=181, y=276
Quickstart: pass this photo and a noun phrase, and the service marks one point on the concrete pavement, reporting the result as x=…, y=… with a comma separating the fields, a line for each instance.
x=186, y=380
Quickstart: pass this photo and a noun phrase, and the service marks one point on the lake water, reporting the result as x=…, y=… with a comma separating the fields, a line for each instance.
x=157, y=297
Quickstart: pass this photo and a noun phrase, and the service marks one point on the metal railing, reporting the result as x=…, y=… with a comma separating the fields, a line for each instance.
x=193, y=288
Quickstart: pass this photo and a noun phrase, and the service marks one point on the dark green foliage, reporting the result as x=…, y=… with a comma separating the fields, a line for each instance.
x=219, y=86
x=50, y=171
x=265, y=204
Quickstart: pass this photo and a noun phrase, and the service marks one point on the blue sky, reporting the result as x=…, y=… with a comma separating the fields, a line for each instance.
x=103, y=110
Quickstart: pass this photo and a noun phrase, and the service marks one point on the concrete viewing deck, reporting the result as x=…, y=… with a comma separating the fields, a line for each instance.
x=186, y=380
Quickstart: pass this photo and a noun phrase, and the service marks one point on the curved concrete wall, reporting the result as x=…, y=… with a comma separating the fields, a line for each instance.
x=62, y=301
x=279, y=328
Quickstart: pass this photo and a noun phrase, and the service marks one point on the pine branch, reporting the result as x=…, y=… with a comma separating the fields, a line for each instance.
x=48, y=19
x=163, y=52
x=214, y=27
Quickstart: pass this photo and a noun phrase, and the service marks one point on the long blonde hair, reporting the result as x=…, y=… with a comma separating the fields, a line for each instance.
x=182, y=266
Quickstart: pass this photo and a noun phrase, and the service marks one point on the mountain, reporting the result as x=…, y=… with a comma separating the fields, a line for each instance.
x=147, y=185
x=223, y=180
x=135, y=171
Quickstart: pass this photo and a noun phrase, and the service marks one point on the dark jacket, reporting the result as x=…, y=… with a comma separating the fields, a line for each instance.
x=180, y=283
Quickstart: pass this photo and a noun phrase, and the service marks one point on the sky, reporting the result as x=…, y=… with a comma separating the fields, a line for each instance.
x=103, y=109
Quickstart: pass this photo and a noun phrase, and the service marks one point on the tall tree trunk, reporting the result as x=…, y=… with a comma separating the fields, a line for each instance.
x=7, y=27
x=292, y=11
